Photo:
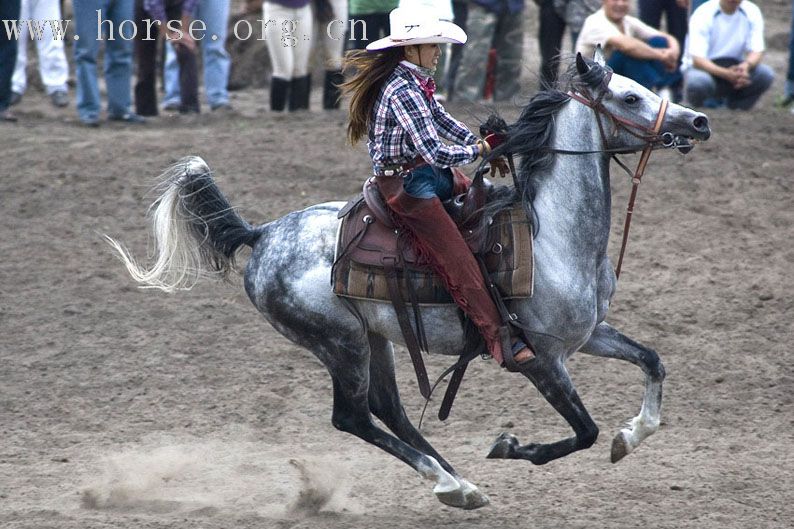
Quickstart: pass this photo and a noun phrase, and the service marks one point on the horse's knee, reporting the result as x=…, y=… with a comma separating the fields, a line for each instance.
x=347, y=422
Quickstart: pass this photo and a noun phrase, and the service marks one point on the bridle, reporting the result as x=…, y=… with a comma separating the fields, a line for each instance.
x=650, y=137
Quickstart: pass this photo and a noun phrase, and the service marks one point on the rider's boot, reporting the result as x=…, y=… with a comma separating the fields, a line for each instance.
x=439, y=243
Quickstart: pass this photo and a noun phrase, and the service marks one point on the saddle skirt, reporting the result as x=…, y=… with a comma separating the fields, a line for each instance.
x=366, y=247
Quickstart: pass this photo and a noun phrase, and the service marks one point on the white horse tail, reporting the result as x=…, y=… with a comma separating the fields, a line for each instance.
x=195, y=230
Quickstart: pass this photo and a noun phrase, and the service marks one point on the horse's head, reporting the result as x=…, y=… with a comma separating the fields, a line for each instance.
x=629, y=112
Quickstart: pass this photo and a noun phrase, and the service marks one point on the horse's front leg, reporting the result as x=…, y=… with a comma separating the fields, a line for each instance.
x=607, y=342
x=553, y=381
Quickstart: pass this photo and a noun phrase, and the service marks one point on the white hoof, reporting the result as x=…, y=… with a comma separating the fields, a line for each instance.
x=621, y=446
x=465, y=496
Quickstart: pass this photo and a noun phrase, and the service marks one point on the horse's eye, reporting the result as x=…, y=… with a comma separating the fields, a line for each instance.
x=631, y=99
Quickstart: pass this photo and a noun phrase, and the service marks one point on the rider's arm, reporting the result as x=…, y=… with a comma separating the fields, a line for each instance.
x=450, y=128
x=414, y=116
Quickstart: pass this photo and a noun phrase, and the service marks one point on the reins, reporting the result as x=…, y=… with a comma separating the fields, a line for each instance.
x=651, y=140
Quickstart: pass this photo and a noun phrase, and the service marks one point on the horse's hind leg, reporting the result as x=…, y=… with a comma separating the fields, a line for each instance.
x=351, y=414
x=553, y=381
x=607, y=342
x=384, y=402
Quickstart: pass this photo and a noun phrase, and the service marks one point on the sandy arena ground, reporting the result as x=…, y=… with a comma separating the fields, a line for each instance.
x=130, y=408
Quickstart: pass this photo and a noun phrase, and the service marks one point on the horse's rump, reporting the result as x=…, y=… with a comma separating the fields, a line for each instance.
x=364, y=246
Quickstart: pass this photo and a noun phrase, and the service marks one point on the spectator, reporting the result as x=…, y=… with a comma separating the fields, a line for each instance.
x=788, y=94
x=450, y=63
x=214, y=57
x=331, y=16
x=369, y=21
x=9, y=10
x=676, y=21
x=631, y=47
x=724, y=52
x=288, y=46
x=494, y=24
x=146, y=47
x=555, y=15
x=118, y=59
x=53, y=68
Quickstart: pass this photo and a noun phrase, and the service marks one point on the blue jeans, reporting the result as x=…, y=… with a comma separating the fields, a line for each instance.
x=701, y=86
x=215, y=14
x=790, y=76
x=118, y=56
x=428, y=182
x=9, y=10
x=650, y=74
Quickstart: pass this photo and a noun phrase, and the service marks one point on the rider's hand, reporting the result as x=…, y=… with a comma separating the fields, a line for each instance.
x=500, y=164
x=495, y=139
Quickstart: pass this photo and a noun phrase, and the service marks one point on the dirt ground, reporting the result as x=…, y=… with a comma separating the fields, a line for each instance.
x=122, y=407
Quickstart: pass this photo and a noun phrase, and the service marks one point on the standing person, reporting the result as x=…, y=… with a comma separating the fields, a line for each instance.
x=53, y=68
x=290, y=85
x=392, y=104
x=146, y=51
x=369, y=20
x=118, y=59
x=632, y=48
x=331, y=16
x=724, y=54
x=494, y=24
x=9, y=10
x=555, y=16
x=788, y=93
x=676, y=21
x=214, y=57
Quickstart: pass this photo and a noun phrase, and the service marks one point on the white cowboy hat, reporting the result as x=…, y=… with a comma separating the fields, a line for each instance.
x=416, y=22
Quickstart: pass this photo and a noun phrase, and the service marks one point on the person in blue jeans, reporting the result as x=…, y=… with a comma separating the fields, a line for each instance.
x=676, y=14
x=215, y=58
x=116, y=20
x=723, y=61
x=9, y=10
x=631, y=47
x=788, y=94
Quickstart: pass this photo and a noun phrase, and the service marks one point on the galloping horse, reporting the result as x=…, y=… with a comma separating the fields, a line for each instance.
x=564, y=140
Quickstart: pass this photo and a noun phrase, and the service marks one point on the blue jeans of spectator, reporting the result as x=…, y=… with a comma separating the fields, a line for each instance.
x=650, y=74
x=428, y=182
x=215, y=58
x=701, y=86
x=9, y=10
x=790, y=76
x=118, y=55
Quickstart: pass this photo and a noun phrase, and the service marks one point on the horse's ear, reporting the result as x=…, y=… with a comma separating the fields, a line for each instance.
x=598, y=56
x=581, y=66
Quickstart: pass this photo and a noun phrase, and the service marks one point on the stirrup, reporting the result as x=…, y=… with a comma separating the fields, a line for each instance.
x=509, y=352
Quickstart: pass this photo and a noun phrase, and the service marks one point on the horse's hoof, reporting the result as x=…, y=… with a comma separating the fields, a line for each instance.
x=467, y=496
x=620, y=447
x=503, y=447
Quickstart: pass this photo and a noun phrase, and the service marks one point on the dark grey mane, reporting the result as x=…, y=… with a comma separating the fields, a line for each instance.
x=528, y=138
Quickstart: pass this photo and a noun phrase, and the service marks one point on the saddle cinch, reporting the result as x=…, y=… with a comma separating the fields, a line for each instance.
x=370, y=247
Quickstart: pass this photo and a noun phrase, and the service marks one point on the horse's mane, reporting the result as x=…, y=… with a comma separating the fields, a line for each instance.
x=528, y=138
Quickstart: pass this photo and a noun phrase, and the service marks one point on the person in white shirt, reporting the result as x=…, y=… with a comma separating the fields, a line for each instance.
x=631, y=47
x=722, y=64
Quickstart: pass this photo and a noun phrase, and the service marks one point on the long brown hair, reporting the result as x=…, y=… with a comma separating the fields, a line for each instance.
x=369, y=71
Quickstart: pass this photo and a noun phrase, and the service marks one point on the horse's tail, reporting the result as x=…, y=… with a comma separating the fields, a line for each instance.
x=196, y=232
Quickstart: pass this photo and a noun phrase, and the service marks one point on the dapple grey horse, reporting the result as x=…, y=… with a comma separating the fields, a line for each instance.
x=564, y=140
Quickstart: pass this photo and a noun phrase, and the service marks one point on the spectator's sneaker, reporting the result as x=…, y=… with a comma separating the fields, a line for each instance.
x=15, y=98
x=59, y=98
x=7, y=116
x=90, y=122
x=222, y=108
x=785, y=101
x=172, y=106
x=129, y=117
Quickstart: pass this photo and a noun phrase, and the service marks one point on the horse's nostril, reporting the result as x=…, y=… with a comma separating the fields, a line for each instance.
x=701, y=123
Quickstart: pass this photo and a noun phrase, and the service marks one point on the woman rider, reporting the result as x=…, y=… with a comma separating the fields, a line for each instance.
x=392, y=102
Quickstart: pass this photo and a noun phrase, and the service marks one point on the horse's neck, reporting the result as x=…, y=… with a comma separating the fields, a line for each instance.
x=573, y=193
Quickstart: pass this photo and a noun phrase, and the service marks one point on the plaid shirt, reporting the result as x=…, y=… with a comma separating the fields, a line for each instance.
x=404, y=125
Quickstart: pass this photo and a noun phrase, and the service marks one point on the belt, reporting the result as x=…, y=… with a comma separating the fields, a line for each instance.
x=399, y=169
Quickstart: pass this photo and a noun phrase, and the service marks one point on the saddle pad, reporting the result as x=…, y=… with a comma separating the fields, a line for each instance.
x=363, y=244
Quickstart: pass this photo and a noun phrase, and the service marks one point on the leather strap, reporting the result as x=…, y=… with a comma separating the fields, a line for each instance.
x=411, y=341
